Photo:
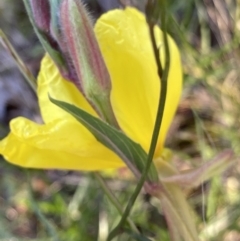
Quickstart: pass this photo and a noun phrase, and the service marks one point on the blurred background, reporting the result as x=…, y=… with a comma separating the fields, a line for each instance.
x=56, y=205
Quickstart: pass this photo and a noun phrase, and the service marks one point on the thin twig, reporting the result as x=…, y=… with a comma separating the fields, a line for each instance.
x=22, y=67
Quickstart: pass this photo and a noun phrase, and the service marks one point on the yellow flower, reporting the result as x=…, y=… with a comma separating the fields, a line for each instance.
x=62, y=142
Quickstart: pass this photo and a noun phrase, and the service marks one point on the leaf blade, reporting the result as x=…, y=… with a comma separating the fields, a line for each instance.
x=129, y=151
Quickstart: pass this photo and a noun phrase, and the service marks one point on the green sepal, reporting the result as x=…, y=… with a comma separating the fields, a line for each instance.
x=129, y=151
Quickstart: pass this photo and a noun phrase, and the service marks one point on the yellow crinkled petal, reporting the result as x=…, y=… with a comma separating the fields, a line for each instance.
x=60, y=144
x=124, y=41
x=64, y=143
x=50, y=82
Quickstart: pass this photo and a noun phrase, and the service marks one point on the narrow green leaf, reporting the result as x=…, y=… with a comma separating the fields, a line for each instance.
x=129, y=151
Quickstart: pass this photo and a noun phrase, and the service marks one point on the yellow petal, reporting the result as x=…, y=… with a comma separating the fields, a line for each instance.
x=124, y=41
x=63, y=143
x=60, y=144
x=50, y=82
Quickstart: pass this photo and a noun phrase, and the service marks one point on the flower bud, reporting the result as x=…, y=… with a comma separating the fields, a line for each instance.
x=152, y=10
x=39, y=13
x=94, y=79
x=66, y=33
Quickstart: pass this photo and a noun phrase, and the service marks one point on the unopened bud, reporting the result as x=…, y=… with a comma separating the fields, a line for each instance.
x=40, y=16
x=152, y=10
x=66, y=32
x=86, y=57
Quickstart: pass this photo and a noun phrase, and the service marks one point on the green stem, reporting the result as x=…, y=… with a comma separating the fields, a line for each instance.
x=22, y=67
x=163, y=76
x=114, y=200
